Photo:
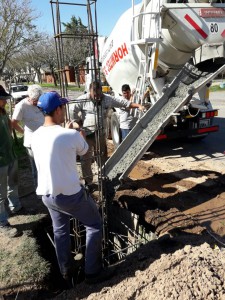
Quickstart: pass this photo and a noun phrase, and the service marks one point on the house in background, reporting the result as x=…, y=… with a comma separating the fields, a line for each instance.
x=74, y=75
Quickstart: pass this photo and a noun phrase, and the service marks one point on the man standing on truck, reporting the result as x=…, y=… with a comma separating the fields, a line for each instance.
x=90, y=113
x=126, y=117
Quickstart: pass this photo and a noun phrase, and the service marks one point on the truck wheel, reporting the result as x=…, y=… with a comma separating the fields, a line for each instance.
x=115, y=130
x=198, y=138
x=108, y=124
x=108, y=128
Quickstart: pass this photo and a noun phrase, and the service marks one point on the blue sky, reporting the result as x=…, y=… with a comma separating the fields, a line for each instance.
x=108, y=12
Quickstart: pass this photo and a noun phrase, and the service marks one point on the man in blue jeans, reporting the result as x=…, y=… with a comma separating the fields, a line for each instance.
x=8, y=170
x=55, y=149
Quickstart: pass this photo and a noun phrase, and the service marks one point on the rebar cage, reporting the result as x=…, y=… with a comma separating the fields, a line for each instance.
x=122, y=233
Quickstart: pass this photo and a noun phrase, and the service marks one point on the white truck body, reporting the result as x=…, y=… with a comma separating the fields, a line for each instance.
x=153, y=40
x=92, y=61
x=18, y=92
x=185, y=32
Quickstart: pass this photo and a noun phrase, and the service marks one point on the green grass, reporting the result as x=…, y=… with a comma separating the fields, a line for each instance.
x=53, y=87
x=69, y=88
x=22, y=264
x=216, y=88
x=76, y=88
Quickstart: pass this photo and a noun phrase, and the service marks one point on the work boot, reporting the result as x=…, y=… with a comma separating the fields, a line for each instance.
x=91, y=187
x=17, y=210
x=9, y=230
x=103, y=275
x=68, y=279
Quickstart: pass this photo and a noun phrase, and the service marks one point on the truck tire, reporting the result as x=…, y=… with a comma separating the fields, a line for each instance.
x=108, y=124
x=198, y=138
x=115, y=130
x=108, y=128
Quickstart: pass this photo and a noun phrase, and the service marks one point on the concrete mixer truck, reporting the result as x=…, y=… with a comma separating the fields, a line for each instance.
x=149, y=46
x=174, y=48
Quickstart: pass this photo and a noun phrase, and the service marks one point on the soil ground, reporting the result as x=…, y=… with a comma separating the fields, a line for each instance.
x=182, y=203
x=180, y=200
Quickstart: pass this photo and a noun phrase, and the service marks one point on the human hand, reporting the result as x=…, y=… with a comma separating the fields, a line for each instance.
x=80, y=123
x=69, y=125
x=82, y=132
x=133, y=91
x=141, y=107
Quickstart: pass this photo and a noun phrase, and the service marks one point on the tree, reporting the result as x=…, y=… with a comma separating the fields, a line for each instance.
x=47, y=55
x=14, y=68
x=16, y=28
x=29, y=61
x=76, y=43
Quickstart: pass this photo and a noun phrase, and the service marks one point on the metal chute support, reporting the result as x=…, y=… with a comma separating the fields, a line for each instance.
x=149, y=46
x=187, y=83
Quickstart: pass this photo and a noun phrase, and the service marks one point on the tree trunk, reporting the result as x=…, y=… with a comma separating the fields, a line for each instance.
x=53, y=76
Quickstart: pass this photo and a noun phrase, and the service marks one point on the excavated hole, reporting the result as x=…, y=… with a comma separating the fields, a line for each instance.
x=54, y=284
x=123, y=241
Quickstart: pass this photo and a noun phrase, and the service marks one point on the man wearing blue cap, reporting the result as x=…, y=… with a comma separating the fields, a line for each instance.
x=55, y=149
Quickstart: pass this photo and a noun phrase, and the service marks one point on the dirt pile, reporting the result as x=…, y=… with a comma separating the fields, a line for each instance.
x=169, y=195
x=164, y=269
x=189, y=273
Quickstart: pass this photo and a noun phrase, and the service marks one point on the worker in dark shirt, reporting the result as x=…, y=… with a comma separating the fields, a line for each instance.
x=8, y=170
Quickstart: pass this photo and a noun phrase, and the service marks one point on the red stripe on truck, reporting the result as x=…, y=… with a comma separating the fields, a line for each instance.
x=208, y=129
x=196, y=27
x=115, y=57
x=161, y=137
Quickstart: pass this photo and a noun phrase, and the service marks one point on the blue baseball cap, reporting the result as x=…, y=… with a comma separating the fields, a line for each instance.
x=50, y=101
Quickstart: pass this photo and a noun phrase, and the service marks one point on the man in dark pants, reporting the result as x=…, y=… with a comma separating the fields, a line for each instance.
x=84, y=112
x=8, y=170
x=55, y=149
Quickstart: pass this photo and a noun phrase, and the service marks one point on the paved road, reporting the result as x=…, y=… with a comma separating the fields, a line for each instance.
x=209, y=151
x=72, y=95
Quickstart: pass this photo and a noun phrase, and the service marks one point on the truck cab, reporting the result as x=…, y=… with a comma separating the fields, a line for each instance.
x=18, y=92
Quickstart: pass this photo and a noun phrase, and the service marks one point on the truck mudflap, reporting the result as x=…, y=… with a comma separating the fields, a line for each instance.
x=188, y=82
x=189, y=133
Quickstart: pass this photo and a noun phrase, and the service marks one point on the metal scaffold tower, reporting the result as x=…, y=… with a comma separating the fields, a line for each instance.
x=90, y=36
x=122, y=233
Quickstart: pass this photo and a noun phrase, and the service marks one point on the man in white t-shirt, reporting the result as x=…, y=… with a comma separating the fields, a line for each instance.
x=27, y=112
x=55, y=150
